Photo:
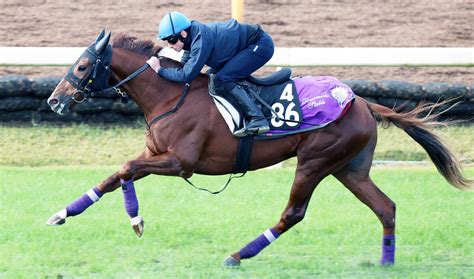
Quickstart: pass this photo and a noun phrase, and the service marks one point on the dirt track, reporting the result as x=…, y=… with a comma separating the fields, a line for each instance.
x=292, y=23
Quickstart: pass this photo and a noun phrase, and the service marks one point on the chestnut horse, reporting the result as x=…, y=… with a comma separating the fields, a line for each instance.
x=196, y=139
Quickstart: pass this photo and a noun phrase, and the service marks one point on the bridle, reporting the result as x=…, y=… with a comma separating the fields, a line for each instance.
x=96, y=81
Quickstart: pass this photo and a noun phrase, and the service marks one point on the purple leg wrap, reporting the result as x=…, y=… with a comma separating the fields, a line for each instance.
x=82, y=203
x=388, y=250
x=262, y=241
x=129, y=198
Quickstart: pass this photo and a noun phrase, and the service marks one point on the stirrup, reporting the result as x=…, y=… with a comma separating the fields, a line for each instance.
x=242, y=132
x=245, y=131
x=260, y=126
x=259, y=130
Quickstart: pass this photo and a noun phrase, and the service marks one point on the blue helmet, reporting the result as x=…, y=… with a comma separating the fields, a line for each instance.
x=172, y=23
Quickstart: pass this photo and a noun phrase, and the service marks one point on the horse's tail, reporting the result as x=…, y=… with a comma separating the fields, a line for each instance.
x=418, y=128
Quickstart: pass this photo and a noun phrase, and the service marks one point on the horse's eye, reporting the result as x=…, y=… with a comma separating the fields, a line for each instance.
x=81, y=68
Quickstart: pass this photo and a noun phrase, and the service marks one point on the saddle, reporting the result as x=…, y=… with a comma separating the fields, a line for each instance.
x=277, y=77
x=292, y=105
x=274, y=94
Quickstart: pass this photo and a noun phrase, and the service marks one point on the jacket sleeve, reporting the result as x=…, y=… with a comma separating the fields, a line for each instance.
x=198, y=55
x=185, y=57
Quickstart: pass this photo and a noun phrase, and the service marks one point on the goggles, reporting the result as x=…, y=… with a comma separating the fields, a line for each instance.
x=173, y=39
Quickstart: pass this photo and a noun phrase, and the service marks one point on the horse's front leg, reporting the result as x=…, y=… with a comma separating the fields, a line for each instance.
x=164, y=164
x=90, y=197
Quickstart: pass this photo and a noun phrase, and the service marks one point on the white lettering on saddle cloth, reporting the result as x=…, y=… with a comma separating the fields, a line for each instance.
x=288, y=112
x=283, y=100
x=322, y=100
x=315, y=101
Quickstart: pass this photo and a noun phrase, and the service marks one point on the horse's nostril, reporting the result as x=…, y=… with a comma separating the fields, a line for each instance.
x=53, y=102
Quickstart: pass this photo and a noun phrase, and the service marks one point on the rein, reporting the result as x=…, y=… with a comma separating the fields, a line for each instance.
x=116, y=88
x=87, y=93
x=231, y=176
x=86, y=88
x=180, y=102
x=265, y=104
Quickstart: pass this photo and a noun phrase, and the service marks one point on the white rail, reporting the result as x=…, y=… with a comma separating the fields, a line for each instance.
x=294, y=57
x=373, y=56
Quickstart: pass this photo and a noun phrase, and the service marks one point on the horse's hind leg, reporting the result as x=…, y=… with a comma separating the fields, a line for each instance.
x=318, y=156
x=301, y=192
x=355, y=176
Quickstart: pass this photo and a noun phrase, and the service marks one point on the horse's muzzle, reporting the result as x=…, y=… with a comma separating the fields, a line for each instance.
x=58, y=105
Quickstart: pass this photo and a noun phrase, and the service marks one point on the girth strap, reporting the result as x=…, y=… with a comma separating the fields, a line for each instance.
x=244, y=150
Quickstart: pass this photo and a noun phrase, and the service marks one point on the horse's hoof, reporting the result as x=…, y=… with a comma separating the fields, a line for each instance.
x=231, y=262
x=57, y=219
x=138, y=225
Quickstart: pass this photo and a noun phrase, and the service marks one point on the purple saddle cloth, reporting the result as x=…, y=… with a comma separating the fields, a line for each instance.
x=322, y=100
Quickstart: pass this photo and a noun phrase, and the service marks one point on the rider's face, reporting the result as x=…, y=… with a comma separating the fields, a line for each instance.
x=178, y=46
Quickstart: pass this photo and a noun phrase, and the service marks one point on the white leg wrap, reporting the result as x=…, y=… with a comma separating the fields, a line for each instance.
x=269, y=235
x=92, y=195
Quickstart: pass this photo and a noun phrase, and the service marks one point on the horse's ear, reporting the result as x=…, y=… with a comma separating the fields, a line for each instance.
x=102, y=44
x=101, y=35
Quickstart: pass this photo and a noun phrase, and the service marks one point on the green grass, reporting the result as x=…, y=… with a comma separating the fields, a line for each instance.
x=393, y=143
x=48, y=145
x=70, y=145
x=188, y=233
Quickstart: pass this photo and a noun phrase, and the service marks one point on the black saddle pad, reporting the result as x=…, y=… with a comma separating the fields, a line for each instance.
x=284, y=101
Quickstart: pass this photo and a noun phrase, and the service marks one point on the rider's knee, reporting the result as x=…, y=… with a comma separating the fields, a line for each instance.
x=224, y=84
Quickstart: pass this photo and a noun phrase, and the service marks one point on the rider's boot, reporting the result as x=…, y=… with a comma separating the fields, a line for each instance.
x=257, y=123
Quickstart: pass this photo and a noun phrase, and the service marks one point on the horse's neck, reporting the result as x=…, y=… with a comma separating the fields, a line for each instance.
x=151, y=95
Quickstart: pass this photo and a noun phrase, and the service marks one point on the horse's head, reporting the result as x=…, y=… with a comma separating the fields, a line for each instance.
x=90, y=73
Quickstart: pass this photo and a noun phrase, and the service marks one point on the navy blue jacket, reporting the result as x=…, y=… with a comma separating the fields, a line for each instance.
x=211, y=44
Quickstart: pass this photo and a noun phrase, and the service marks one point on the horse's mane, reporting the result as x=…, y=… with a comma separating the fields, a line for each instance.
x=143, y=47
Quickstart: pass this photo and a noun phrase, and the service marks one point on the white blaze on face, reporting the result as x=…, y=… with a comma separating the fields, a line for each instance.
x=57, y=99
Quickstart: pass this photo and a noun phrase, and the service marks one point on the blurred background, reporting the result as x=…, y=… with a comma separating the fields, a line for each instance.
x=291, y=23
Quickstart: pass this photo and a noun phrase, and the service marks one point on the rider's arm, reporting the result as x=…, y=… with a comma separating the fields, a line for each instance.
x=198, y=56
x=185, y=57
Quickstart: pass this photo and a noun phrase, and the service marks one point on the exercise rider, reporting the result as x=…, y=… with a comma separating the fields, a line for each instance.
x=232, y=50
